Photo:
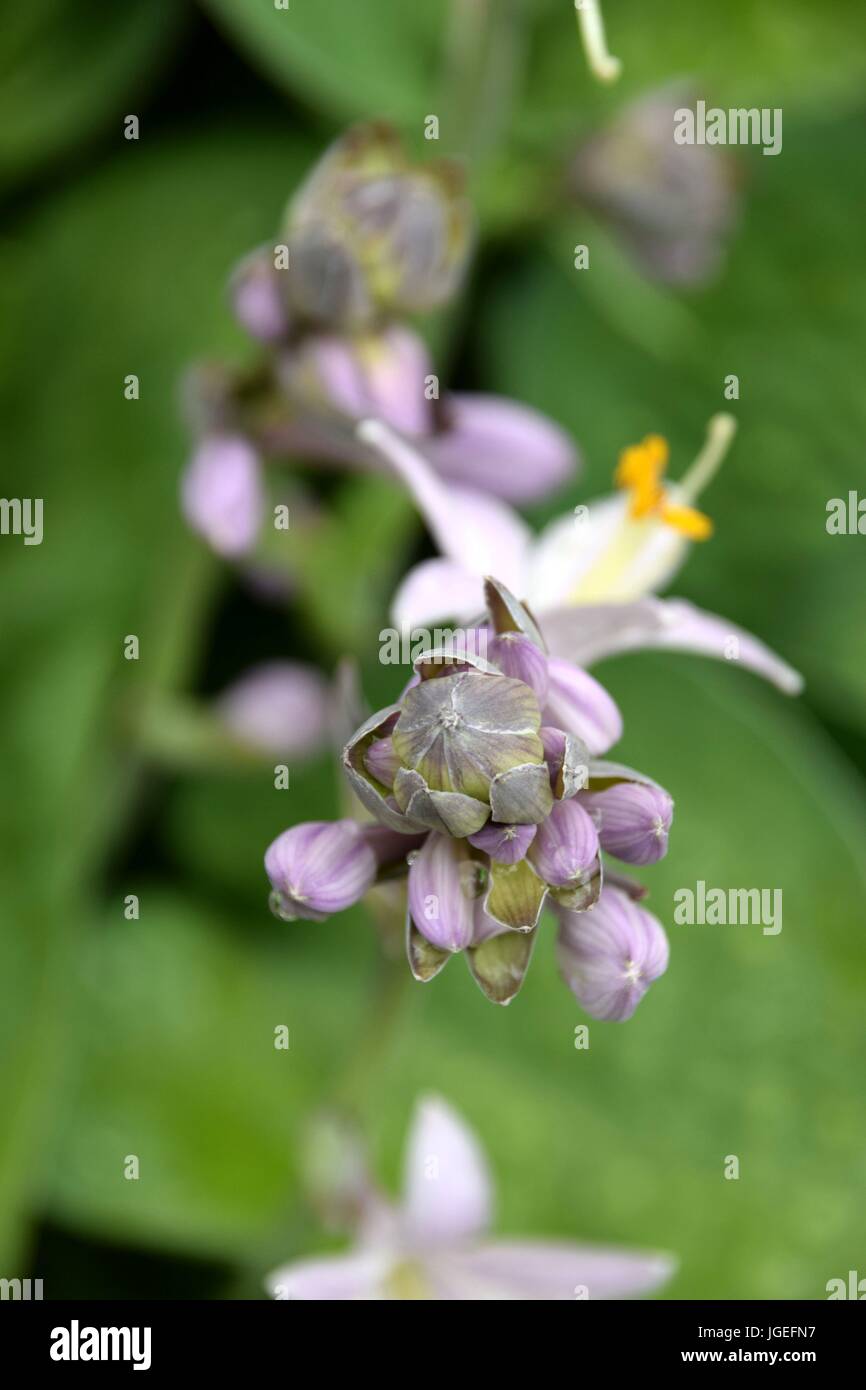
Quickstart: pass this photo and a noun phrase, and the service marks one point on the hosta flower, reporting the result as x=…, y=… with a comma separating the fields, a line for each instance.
x=478, y=440
x=280, y=707
x=368, y=239
x=434, y=1244
x=486, y=769
x=369, y=235
x=256, y=297
x=590, y=578
x=222, y=493
x=672, y=206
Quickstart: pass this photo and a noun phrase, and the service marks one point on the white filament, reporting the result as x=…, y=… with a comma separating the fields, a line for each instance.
x=591, y=25
x=720, y=431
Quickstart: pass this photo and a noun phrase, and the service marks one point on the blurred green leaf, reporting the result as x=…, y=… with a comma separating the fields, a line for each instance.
x=219, y=826
x=93, y=293
x=348, y=561
x=376, y=59
x=183, y=1072
x=67, y=70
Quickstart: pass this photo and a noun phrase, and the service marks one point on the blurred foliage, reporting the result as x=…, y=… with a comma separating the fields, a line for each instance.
x=156, y=1037
x=67, y=69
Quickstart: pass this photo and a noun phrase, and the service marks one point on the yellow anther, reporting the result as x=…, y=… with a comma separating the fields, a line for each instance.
x=639, y=471
x=642, y=464
x=695, y=525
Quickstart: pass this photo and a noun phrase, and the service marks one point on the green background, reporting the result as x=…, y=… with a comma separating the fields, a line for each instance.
x=156, y=1037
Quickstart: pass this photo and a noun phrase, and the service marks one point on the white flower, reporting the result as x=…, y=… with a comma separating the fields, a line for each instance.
x=590, y=578
x=433, y=1246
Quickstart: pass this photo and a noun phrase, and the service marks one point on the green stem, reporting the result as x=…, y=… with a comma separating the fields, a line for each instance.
x=483, y=52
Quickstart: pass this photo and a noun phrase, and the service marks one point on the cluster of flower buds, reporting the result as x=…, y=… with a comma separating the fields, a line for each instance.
x=485, y=782
x=369, y=235
x=369, y=239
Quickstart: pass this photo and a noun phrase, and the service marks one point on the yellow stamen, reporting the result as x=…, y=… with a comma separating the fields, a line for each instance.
x=646, y=498
x=641, y=465
x=639, y=471
x=691, y=523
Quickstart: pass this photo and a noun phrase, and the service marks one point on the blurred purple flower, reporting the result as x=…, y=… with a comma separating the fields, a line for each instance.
x=487, y=443
x=501, y=447
x=377, y=374
x=371, y=234
x=672, y=206
x=254, y=294
x=222, y=494
x=280, y=707
x=369, y=238
x=434, y=1244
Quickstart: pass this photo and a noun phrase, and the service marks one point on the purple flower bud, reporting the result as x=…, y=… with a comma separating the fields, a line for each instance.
x=370, y=234
x=462, y=732
x=610, y=956
x=566, y=844
x=279, y=706
x=517, y=656
x=326, y=285
x=500, y=447
x=672, y=206
x=567, y=761
x=381, y=761
x=486, y=927
x=254, y=292
x=578, y=704
x=380, y=375
x=504, y=843
x=397, y=365
x=221, y=492
x=318, y=868
x=442, y=893
x=633, y=820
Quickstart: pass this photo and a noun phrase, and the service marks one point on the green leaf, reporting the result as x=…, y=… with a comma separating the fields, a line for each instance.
x=373, y=59
x=115, y=559
x=348, y=561
x=67, y=70
x=179, y=1013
